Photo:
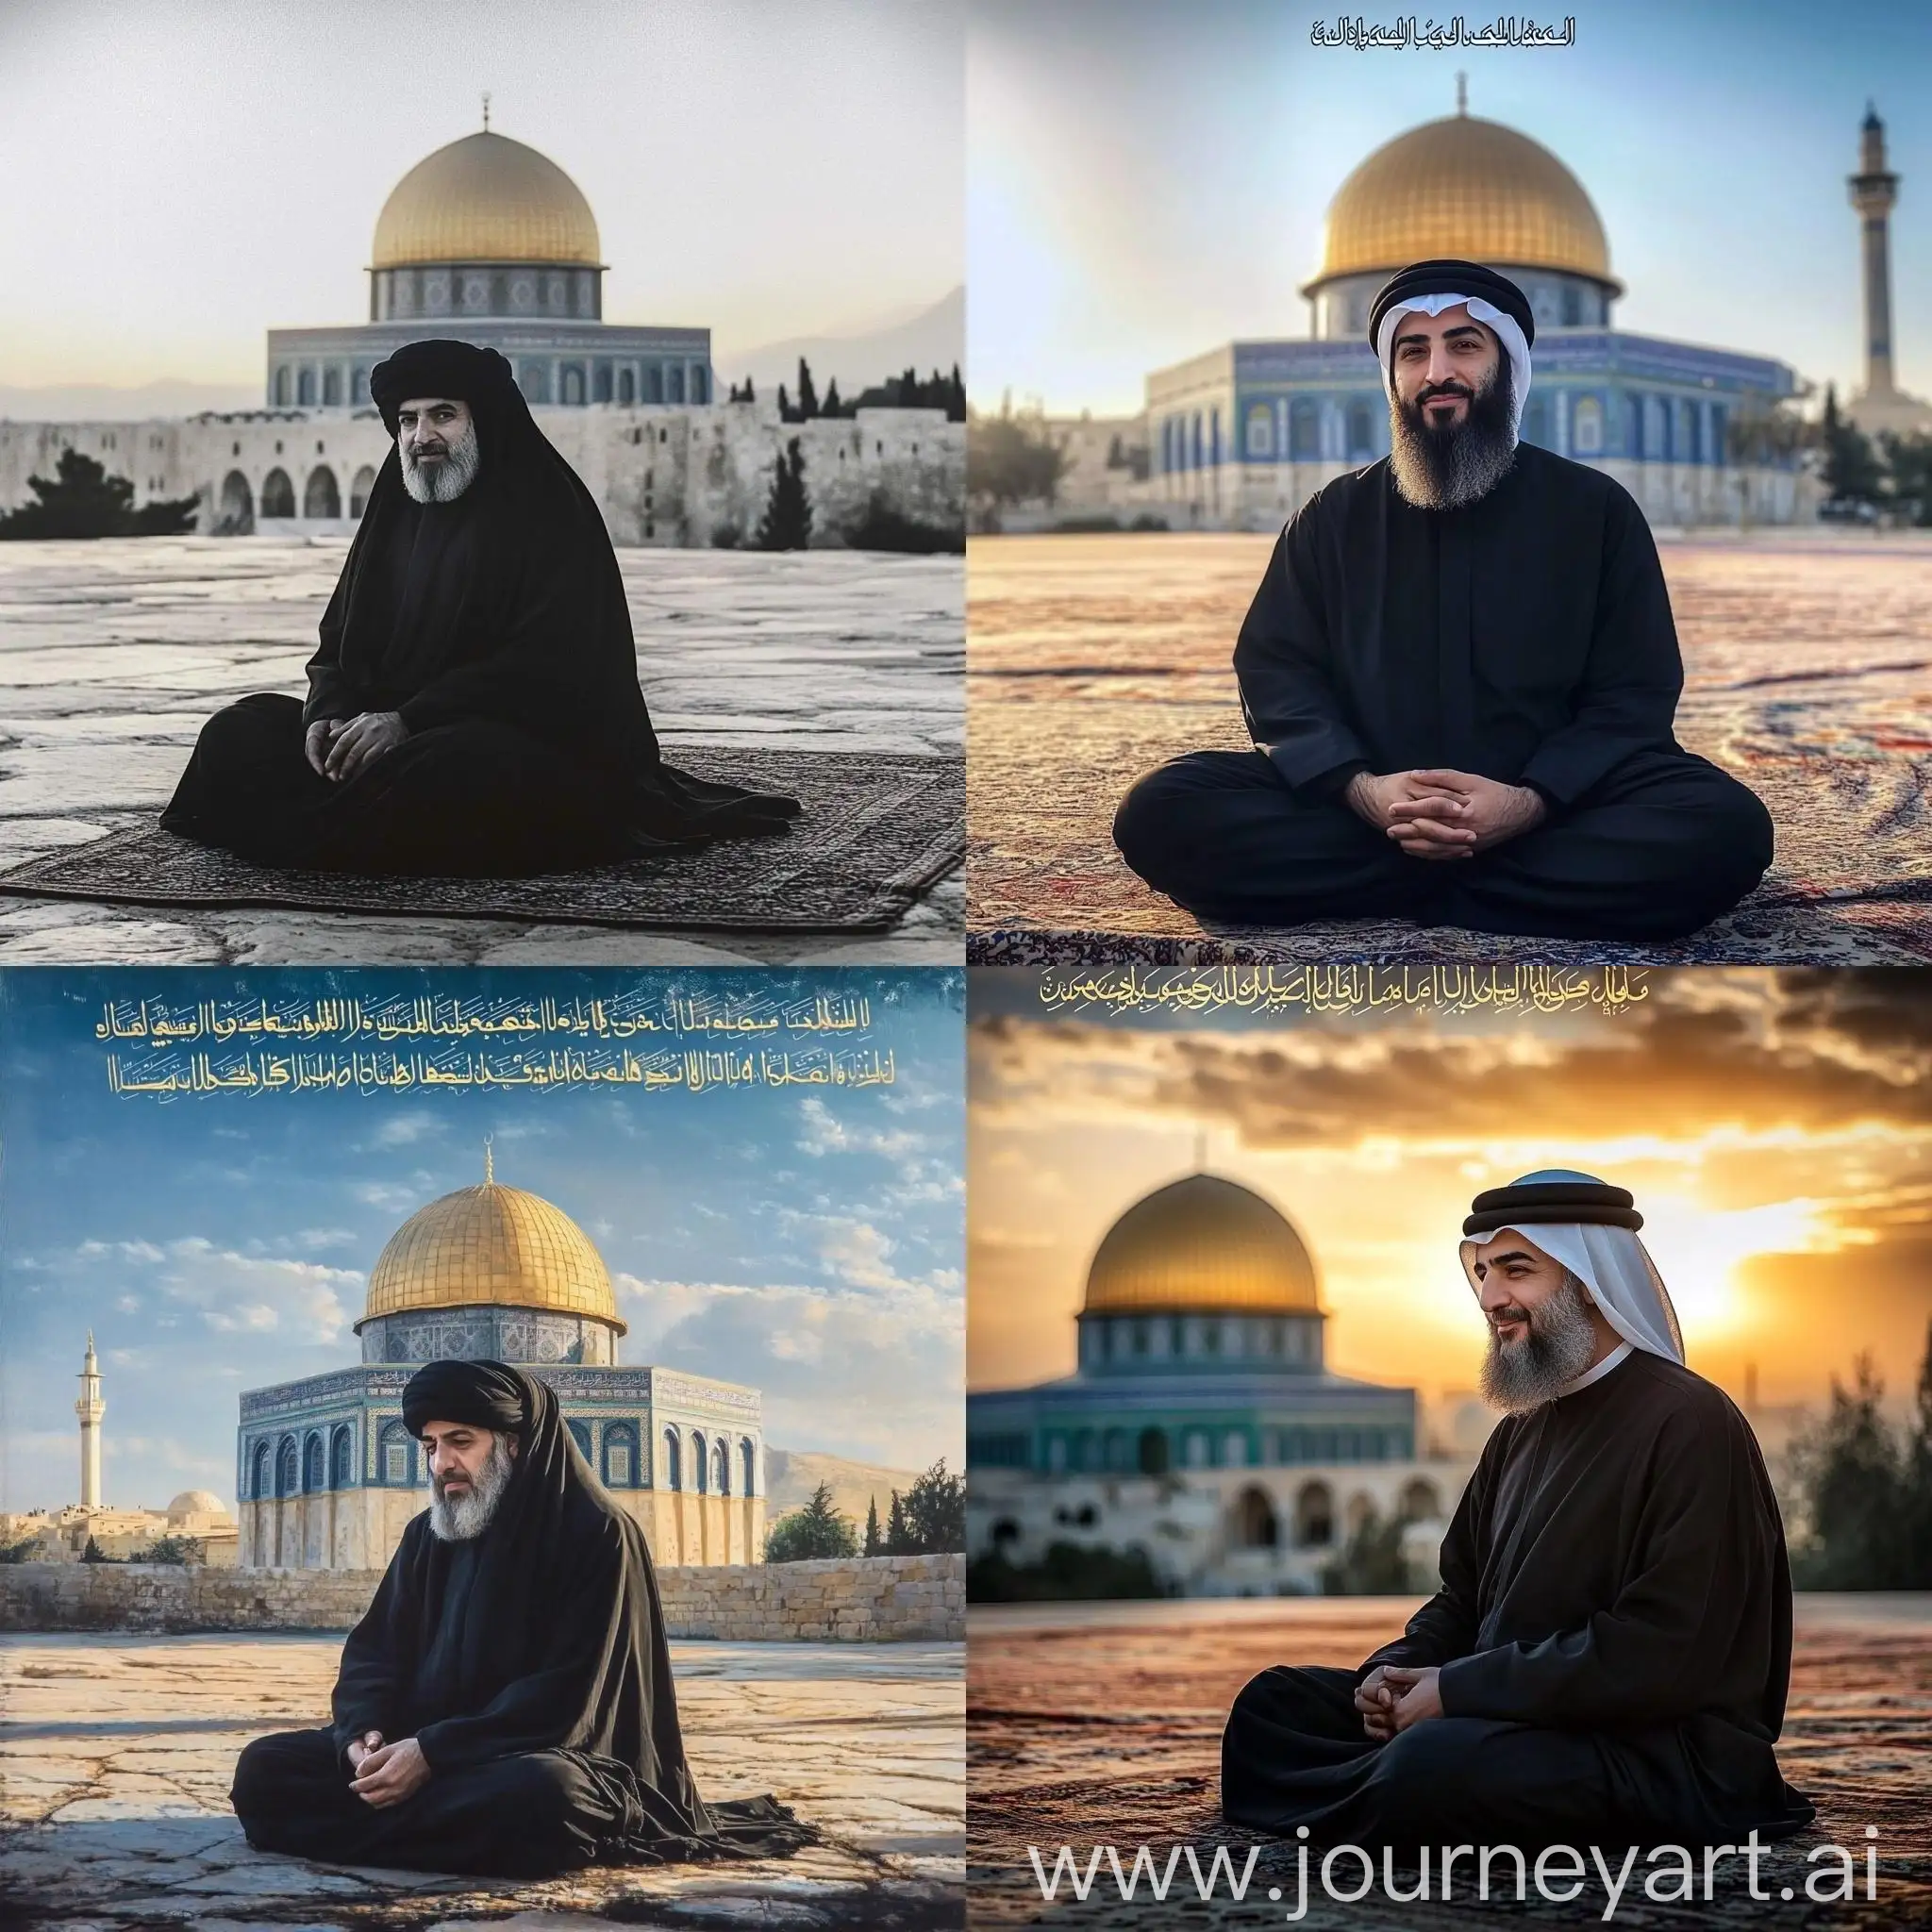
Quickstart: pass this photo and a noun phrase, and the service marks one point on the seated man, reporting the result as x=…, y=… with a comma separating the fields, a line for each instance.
x=1608, y=1658
x=473, y=706
x=1460, y=675
x=506, y=1705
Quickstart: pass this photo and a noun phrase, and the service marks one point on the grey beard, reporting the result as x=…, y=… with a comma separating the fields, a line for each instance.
x=448, y=479
x=1555, y=1351
x=456, y=1520
x=1451, y=468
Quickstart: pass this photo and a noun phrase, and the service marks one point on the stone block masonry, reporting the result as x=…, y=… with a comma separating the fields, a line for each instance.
x=856, y=1600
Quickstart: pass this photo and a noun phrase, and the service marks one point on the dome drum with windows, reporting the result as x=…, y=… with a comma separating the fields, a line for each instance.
x=1205, y=1272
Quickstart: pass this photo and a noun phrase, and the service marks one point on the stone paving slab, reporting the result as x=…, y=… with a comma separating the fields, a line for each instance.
x=112, y=654
x=1100, y=1724
x=116, y=1753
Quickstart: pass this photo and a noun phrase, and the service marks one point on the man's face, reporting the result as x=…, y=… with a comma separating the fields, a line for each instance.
x=436, y=439
x=1512, y=1279
x=457, y=1455
x=1439, y=363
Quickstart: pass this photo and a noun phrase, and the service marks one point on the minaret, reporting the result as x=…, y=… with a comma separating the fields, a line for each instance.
x=90, y=1409
x=1873, y=192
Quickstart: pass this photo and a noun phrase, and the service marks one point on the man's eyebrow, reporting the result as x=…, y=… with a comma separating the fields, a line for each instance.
x=1513, y=1255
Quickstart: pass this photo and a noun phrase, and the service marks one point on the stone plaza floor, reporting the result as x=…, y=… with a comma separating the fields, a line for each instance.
x=112, y=654
x=116, y=1753
x=1093, y=1725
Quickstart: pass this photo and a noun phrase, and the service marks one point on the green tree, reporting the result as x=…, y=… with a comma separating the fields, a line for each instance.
x=94, y=1554
x=1909, y=460
x=170, y=1549
x=896, y=1541
x=935, y=1511
x=1068, y=1573
x=832, y=406
x=1012, y=458
x=82, y=500
x=786, y=522
x=874, y=1544
x=1371, y=1564
x=1858, y=1493
x=808, y=393
x=21, y=1552
x=819, y=1530
x=1851, y=471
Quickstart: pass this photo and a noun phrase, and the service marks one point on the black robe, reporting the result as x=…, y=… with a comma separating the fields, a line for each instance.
x=497, y=626
x=530, y=1665
x=1527, y=638
x=1614, y=1637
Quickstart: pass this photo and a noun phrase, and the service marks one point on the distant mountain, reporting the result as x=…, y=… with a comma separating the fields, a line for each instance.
x=101, y=401
x=933, y=339
x=792, y=1474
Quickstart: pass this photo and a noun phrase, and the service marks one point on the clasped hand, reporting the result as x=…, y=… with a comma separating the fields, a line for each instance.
x=1393, y=1696
x=339, y=747
x=1444, y=814
x=385, y=1773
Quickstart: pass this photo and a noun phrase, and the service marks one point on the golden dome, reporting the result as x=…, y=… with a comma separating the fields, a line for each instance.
x=491, y=1244
x=486, y=198
x=1202, y=1242
x=1469, y=189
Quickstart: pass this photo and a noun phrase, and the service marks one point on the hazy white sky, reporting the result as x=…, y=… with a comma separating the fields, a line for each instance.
x=1148, y=178
x=183, y=174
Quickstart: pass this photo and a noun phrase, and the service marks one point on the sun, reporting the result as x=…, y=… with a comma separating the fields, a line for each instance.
x=1700, y=1252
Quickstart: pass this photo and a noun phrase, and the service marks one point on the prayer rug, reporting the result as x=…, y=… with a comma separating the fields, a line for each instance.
x=877, y=830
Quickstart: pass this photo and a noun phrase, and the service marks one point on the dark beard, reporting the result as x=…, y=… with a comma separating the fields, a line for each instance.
x=1448, y=469
x=1555, y=1351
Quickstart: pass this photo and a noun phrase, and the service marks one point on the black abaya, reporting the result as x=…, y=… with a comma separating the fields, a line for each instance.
x=500, y=613
x=529, y=1659
x=1527, y=638
x=1614, y=1639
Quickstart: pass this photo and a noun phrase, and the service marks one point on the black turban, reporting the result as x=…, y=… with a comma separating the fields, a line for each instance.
x=1524, y=1204
x=1449, y=277
x=484, y=1395
x=438, y=367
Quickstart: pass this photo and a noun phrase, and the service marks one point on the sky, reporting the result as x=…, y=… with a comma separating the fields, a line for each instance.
x=808, y=1242
x=184, y=174
x=1774, y=1127
x=1147, y=179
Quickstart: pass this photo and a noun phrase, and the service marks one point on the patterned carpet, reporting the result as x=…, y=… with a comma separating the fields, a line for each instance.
x=877, y=830
x=1808, y=674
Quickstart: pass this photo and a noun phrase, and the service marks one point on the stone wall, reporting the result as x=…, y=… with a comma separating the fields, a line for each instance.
x=857, y=1599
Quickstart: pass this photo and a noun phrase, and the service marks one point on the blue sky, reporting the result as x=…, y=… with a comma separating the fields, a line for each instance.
x=1147, y=178
x=808, y=1244
x=184, y=175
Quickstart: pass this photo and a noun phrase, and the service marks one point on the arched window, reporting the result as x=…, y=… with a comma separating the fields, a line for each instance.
x=600, y=383
x=237, y=517
x=341, y=1458
x=1587, y=427
x=748, y=1462
x=1304, y=430
x=1536, y=420
x=1362, y=1512
x=282, y=386
x=1113, y=1452
x=314, y=1465
x=399, y=1456
x=721, y=1467
x=1419, y=1500
x=620, y=1456
x=700, y=1462
x=580, y=1434
x=1573, y=305
x=673, y=1461
x=360, y=488
x=332, y=387
x=1256, y=1526
x=1314, y=1516
x=288, y=1470
x=653, y=383
x=320, y=497
x=626, y=387
x=1152, y=1455
x=701, y=385
x=675, y=383
x=305, y=389
x=1360, y=432
x=573, y=386
x=278, y=494
x=534, y=380
x=1260, y=431
x=264, y=1464
x=359, y=385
